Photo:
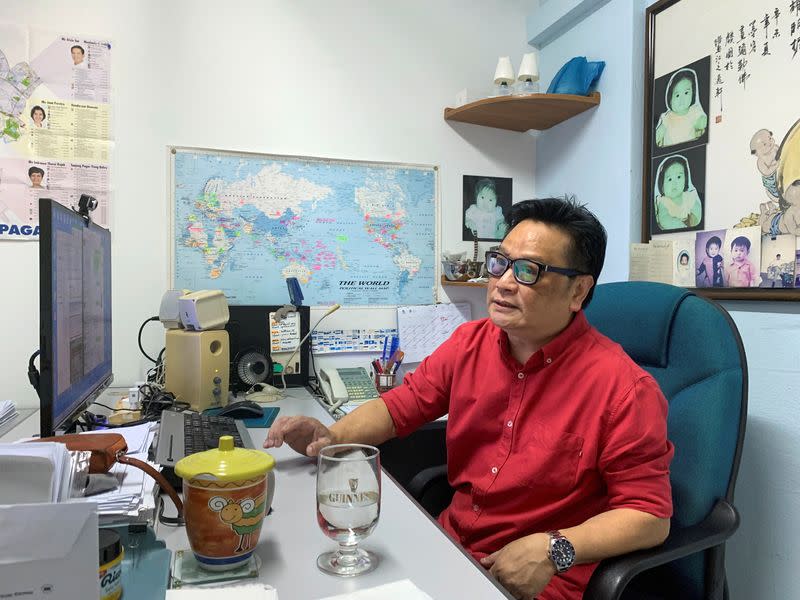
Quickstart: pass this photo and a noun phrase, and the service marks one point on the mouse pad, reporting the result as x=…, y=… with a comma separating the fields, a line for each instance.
x=270, y=412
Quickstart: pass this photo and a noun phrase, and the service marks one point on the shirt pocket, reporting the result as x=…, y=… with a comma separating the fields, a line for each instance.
x=546, y=458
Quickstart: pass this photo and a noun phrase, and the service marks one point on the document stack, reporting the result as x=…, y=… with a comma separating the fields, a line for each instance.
x=7, y=411
x=133, y=499
x=33, y=473
x=48, y=472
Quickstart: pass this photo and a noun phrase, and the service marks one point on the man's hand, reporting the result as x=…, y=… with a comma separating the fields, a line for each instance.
x=522, y=567
x=304, y=435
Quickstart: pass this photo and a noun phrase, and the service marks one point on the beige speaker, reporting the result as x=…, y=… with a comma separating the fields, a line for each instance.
x=197, y=367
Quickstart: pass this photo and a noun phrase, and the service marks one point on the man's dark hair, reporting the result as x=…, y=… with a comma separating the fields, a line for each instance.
x=33, y=170
x=587, y=249
x=742, y=242
x=79, y=48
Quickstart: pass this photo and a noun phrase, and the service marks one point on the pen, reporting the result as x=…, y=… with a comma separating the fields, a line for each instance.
x=376, y=364
x=385, y=342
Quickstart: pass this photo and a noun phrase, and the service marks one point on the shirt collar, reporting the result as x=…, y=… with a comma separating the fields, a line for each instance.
x=555, y=347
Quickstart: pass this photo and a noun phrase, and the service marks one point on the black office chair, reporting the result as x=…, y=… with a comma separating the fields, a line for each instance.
x=693, y=349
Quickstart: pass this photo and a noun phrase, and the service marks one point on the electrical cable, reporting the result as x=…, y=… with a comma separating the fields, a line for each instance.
x=139, y=338
x=331, y=310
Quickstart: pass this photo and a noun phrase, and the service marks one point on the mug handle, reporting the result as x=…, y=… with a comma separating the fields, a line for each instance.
x=270, y=491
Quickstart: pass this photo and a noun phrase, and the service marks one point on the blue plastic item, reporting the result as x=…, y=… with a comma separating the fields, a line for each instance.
x=577, y=77
x=295, y=293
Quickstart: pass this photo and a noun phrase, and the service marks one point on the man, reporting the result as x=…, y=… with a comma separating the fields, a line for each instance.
x=36, y=175
x=557, y=444
x=78, y=55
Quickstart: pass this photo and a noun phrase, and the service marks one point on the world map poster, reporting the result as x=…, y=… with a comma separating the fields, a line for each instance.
x=354, y=233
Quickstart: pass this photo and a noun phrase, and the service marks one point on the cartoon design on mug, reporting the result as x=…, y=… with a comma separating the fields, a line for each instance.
x=244, y=517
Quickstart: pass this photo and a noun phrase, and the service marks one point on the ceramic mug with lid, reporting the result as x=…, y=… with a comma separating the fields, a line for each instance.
x=227, y=492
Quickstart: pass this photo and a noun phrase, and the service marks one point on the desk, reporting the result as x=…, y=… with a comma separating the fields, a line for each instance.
x=409, y=543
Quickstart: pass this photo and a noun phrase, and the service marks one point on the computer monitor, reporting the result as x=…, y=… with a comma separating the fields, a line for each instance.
x=74, y=315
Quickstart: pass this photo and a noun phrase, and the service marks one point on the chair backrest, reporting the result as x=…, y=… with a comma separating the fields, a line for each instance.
x=693, y=349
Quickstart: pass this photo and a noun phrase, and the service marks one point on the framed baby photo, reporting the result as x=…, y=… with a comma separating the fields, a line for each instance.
x=487, y=208
x=678, y=190
x=680, y=108
x=721, y=142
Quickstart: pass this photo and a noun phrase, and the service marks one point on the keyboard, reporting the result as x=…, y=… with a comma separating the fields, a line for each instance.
x=185, y=433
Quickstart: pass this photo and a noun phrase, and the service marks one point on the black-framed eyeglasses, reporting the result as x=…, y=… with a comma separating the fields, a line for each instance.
x=525, y=270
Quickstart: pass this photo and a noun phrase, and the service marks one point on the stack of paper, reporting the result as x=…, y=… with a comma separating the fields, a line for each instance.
x=253, y=591
x=133, y=499
x=33, y=473
x=7, y=411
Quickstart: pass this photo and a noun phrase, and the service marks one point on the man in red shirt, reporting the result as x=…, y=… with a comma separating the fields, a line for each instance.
x=556, y=440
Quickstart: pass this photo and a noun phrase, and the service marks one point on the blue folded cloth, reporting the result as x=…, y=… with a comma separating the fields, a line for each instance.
x=577, y=76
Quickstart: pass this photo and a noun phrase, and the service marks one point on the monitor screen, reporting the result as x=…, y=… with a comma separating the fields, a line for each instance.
x=74, y=314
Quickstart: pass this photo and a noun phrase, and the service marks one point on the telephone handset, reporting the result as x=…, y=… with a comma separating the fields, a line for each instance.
x=346, y=385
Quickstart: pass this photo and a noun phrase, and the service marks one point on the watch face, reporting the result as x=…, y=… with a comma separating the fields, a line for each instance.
x=562, y=553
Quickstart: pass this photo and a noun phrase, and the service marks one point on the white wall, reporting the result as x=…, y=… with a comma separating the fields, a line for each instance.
x=352, y=79
x=599, y=158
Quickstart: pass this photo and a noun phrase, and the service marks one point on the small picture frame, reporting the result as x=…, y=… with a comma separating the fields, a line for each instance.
x=487, y=206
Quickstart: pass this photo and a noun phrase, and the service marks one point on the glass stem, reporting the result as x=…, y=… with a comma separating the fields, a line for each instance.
x=348, y=554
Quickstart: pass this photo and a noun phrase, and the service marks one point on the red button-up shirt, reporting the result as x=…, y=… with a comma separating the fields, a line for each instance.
x=578, y=430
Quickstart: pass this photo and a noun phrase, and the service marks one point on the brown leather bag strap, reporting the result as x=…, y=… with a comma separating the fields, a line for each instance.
x=165, y=485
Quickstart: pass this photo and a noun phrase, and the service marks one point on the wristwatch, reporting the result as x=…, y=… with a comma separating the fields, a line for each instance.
x=560, y=551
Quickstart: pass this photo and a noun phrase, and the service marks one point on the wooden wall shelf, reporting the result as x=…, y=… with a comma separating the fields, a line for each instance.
x=446, y=281
x=521, y=113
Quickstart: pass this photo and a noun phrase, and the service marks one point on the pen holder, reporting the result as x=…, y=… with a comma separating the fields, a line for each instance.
x=384, y=381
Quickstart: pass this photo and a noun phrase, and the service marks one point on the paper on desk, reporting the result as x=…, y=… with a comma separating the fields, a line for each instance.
x=255, y=591
x=424, y=328
x=404, y=589
x=138, y=438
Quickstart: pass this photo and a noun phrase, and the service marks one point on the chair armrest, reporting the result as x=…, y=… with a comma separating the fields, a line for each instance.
x=612, y=575
x=425, y=479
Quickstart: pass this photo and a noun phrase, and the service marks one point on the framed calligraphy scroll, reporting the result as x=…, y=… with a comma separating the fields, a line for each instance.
x=721, y=171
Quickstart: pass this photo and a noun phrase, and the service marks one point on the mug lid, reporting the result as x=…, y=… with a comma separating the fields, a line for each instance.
x=225, y=463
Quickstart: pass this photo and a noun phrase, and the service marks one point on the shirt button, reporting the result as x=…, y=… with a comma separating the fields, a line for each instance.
x=510, y=423
x=549, y=360
x=521, y=375
x=475, y=507
x=494, y=470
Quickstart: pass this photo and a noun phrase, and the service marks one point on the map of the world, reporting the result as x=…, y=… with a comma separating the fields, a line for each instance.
x=356, y=233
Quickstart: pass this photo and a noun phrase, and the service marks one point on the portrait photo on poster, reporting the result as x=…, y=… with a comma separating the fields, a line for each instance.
x=709, y=252
x=677, y=191
x=487, y=207
x=680, y=108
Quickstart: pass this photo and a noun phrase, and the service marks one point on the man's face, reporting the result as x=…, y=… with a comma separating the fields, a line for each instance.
x=739, y=253
x=543, y=309
x=36, y=180
x=681, y=98
x=713, y=250
x=77, y=56
x=674, y=180
x=486, y=199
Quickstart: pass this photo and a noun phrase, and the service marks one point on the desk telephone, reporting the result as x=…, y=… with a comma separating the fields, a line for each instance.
x=346, y=385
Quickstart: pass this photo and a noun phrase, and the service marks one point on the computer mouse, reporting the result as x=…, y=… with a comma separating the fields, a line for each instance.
x=244, y=409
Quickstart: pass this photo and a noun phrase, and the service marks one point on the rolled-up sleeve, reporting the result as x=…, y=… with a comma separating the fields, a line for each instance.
x=636, y=454
x=424, y=395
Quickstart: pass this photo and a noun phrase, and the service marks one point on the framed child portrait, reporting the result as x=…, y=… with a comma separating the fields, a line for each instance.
x=721, y=143
x=487, y=205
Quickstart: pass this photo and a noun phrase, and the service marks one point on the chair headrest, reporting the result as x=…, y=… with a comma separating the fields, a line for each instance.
x=638, y=315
